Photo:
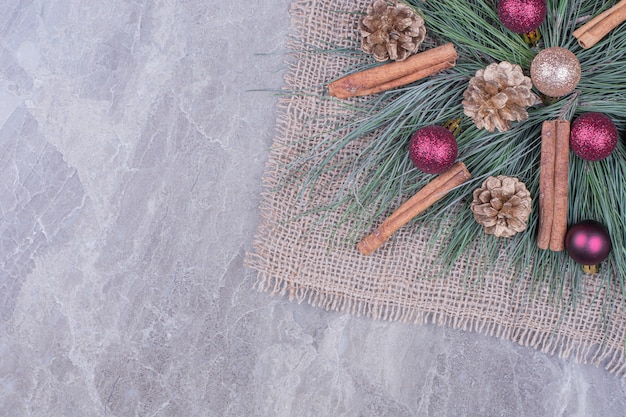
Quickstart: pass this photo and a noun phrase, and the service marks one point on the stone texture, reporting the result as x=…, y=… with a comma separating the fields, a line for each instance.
x=131, y=152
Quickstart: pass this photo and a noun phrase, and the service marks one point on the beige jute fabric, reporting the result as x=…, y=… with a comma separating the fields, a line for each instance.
x=294, y=256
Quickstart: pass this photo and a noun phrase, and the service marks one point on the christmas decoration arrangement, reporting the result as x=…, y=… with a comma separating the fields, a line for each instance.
x=527, y=95
x=352, y=222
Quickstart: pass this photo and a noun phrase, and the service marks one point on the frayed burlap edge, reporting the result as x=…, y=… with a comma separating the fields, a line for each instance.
x=401, y=281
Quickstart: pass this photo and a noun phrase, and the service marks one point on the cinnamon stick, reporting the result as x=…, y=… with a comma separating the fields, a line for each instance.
x=395, y=74
x=423, y=199
x=553, y=185
x=546, y=183
x=561, y=169
x=597, y=28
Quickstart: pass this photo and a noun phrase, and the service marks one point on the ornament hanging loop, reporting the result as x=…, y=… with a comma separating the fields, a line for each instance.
x=590, y=269
x=532, y=38
x=548, y=101
x=454, y=126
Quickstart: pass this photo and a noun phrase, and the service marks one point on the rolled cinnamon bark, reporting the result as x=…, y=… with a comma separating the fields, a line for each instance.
x=423, y=199
x=561, y=169
x=395, y=74
x=546, y=183
x=597, y=28
x=553, y=185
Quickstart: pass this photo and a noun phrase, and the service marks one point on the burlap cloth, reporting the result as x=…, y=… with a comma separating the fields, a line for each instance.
x=301, y=259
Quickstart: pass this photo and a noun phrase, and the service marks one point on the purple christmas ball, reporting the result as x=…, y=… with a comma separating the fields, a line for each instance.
x=433, y=149
x=522, y=16
x=588, y=242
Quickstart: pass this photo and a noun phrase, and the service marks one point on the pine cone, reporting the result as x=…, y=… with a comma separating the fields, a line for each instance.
x=502, y=205
x=391, y=30
x=497, y=96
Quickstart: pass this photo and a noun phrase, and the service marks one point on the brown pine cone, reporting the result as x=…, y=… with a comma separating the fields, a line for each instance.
x=497, y=96
x=502, y=205
x=391, y=30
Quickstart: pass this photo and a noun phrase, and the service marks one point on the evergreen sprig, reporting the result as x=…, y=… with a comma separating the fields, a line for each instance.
x=376, y=174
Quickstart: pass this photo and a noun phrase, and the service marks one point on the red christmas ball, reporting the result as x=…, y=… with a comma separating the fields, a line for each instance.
x=593, y=136
x=433, y=149
x=522, y=16
x=588, y=242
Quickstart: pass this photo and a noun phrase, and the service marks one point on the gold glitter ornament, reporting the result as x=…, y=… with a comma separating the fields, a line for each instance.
x=555, y=71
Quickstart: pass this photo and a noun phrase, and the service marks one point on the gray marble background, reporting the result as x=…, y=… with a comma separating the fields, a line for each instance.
x=132, y=149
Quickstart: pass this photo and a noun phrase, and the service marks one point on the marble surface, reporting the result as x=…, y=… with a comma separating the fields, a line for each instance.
x=132, y=149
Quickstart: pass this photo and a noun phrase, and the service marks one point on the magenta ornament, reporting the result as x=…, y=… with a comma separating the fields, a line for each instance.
x=522, y=16
x=593, y=136
x=433, y=149
x=588, y=243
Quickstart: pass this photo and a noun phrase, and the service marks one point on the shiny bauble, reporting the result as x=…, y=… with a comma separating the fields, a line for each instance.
x=588, y=242
x=522, y=16
x=593, y=136
x=555, y=71
x=433, y=149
